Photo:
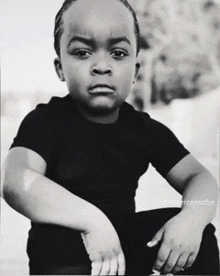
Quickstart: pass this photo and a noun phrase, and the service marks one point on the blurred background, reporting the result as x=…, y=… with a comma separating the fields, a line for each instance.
x=178, y=84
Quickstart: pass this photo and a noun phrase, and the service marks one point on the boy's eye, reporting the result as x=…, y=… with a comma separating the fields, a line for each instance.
x=82, y=53
x=119, y=54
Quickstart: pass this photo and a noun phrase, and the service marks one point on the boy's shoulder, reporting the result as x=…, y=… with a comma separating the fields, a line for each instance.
x=56, y=105
x=140, y=117
x=56, y=108
x=47, y=116
x=131, y=113
x=144, y=124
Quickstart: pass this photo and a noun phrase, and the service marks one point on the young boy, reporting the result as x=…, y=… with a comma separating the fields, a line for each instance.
x=74, y=166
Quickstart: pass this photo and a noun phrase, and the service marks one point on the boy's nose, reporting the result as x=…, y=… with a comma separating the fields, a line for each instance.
x=101, y=68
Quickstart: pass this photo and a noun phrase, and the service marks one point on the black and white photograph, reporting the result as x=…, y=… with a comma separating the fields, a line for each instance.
x=110, y=137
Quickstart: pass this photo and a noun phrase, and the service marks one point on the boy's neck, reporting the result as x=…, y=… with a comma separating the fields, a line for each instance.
x=101, y=119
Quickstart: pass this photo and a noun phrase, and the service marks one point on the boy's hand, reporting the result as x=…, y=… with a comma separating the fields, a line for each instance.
x=180, y=243
x=104, y=249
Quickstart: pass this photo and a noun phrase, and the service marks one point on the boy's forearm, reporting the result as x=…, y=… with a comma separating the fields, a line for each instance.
x=44, y=201
x=200, y=198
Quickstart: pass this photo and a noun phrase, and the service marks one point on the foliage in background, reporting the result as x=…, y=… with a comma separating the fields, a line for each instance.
x=183, y=55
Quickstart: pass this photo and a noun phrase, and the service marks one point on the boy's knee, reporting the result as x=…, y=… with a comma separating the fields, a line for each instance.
x=207, y=261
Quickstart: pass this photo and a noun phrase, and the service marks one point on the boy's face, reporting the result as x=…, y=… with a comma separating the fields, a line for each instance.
x=98, y=55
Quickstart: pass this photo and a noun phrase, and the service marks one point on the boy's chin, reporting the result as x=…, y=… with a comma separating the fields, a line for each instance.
x=101, y=109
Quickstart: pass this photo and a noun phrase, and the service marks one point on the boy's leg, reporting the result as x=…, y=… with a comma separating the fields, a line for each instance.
x=61, y=270
x=145, y=225
x=57, y=251
x=64, y=254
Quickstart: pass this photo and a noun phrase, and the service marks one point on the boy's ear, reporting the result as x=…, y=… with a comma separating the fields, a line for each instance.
x=58, y=68
x=137, y=67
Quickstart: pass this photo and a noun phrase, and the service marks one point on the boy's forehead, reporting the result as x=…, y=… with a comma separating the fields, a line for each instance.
x=87, y=16
x=99, y=6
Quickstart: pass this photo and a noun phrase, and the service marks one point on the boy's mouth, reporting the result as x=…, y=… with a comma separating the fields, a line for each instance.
x=101, y=88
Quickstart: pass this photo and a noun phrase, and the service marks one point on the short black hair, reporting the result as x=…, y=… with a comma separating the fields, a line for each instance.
x=58, y=30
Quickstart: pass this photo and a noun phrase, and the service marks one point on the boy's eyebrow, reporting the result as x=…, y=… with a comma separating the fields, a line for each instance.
x=119, y=39
x=90, y=42
x=84, y=40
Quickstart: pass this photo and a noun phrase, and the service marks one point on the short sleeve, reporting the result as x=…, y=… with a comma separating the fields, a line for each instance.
x=38, y=133
x=166, y=149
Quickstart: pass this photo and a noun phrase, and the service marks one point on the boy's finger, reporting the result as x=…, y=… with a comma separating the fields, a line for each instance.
x=171, y=262
x=180, y=265
x=121, y=264
x=158, y=237
x=190, y=261
x=96, y=267
x=155, y=272
x=106, y=265
x=162, y=256
x=114, y=266
x=152, y=243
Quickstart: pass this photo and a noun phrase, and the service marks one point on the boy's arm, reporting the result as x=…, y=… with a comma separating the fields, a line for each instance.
x=28, y=191
x=181, y=236
x=198, y=188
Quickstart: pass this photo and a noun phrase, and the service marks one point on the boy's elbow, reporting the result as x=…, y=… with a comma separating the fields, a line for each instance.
x=9, y=194
x=6, y=187
x=13, y=187
x=16, y=195
x=13, y=197
x=19, y=193
x=11, y=191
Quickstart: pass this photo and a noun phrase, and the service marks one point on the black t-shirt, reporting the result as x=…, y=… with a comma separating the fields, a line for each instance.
x=100, y=163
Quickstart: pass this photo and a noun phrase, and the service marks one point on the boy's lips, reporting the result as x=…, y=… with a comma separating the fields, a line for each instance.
x=101, y=88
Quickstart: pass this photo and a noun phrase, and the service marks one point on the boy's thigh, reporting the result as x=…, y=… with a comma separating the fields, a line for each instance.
x=135, y=232
x=57, y=251
x=207, y=260
x=146, y=224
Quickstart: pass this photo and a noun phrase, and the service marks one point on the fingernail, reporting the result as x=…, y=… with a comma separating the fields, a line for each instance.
x=155, y=272
x=152, y=243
